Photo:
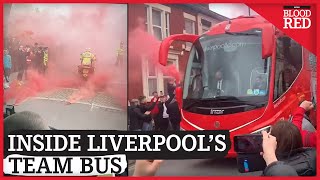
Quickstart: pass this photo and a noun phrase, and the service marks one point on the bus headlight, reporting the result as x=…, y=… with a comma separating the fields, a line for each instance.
x=266, y=128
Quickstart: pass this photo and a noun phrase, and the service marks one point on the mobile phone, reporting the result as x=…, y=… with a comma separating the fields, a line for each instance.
x=250, y=163
x=248, y=143
x=314, y=103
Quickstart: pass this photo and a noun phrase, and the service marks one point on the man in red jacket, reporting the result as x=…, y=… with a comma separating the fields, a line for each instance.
x=309, y=138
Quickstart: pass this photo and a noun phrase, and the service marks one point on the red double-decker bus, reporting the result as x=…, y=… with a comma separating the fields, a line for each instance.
x=242, y=75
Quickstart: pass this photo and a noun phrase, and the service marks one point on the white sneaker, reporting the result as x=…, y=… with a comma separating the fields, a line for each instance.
x=6, y=85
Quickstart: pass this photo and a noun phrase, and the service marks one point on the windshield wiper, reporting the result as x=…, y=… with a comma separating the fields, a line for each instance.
x=221, y=98
x=240, y=33
x=257, y=105
x=194, y=102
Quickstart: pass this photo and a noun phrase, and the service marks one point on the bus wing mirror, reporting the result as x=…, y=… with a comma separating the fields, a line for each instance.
x=165, y=45
x=267, y=41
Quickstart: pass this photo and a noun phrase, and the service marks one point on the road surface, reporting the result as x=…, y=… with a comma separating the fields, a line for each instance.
x=200, y=167
x=98, y=113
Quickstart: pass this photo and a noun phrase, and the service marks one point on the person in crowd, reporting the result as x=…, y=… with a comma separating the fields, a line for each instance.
x=146, y=108
x=45, y=57
x=162, y=118
x=120, y=55
x=37, y=58
x=290, y=148
x=28, y=58
x=309, y=137
x=14, y=51
x=87, y=58
x=174, y=114
x=22, y=63
x=136, y=117
x=25, y=120
x=7, y=64
x=274, y=167
x=35, y=48
x=171, y=87
x=269, y=146
x=155, y=110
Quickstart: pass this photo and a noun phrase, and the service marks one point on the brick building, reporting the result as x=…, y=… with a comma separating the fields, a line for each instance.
x=163, y=20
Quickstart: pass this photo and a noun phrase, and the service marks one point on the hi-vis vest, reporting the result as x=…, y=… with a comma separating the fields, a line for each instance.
x=120, y=52
x=45, y=58
x=87, y=58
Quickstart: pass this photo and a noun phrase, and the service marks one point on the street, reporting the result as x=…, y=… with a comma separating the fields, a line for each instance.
x=200, y=167
x=98, y=113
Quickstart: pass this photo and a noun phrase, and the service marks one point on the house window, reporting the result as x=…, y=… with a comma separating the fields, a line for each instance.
x=189, y=26
x=156, y=80
x=206, y=25
x=157, y=24
x=147, y=17
x=152, y=78
x=158, y=20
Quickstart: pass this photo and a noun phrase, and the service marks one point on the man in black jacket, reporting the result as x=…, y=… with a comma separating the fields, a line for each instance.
x=174, y=114
x=162, y=118
x=21, y=56
x=173, y=108
x=136, y=116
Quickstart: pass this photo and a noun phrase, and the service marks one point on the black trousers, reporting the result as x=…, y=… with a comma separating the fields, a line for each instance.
x=20, y=74
x=175, y=125
x=161, y=124
x=7, y=72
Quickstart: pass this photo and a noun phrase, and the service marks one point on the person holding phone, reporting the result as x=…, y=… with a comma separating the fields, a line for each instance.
x=290, y=148
x=274, y=167
x=309, y=137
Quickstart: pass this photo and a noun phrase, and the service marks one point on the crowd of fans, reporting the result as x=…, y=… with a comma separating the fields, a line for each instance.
x=20, y=58
x=289, y=149
x=160, y=114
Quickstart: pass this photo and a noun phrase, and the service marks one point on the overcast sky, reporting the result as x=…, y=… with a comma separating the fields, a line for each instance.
x=231, y=10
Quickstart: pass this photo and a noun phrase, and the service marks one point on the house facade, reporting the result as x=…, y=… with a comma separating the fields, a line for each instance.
x=163, y=20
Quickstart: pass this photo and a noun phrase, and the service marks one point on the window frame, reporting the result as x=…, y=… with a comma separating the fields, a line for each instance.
x=165, y=32
x=275, y=99
x=165, y=19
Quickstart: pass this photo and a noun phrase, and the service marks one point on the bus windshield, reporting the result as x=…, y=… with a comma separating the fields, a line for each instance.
x=227, y=67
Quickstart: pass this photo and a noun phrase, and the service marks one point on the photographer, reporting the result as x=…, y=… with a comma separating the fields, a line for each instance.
x=290, y=148
x=274, y=167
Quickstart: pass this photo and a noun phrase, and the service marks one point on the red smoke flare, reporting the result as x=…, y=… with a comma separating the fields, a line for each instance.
x=146, y=47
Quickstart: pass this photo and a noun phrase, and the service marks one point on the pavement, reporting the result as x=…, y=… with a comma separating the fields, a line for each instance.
x=199, y=167
x=101, y=112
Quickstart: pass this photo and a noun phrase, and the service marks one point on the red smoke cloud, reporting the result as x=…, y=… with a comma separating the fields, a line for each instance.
x=145, y=46
x=68, y=29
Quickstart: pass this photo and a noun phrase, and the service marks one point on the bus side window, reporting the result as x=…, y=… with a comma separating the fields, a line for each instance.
x=288, y=64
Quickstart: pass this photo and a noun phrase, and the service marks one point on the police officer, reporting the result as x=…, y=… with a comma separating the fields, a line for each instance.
x=87, y=58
